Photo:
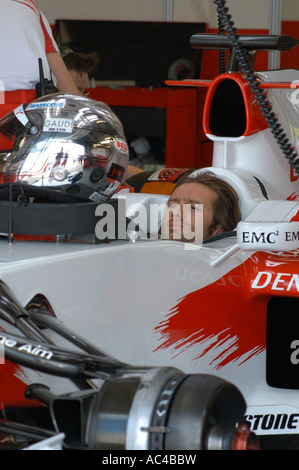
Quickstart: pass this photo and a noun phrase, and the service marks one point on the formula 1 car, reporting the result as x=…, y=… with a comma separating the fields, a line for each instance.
x=142, y=343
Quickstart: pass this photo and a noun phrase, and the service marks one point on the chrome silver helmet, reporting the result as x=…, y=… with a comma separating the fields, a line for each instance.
x=66, y=143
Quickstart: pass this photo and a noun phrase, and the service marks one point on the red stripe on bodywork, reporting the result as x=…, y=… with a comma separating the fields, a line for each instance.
x=221, y=315
x=228, y=317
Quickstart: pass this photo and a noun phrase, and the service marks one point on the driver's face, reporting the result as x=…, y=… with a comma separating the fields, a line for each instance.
x=198, y=197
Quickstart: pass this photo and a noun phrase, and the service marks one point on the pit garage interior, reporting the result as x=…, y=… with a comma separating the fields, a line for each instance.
x=144, y=52
x=153, y=114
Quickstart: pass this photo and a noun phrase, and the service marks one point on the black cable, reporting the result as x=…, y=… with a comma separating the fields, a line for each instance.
x=260, y=95
x=221, y=53
x=25, y=431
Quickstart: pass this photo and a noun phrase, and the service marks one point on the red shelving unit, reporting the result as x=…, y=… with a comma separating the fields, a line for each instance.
x=181, y=116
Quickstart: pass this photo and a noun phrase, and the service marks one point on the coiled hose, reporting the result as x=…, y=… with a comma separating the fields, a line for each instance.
x=224, y=18
x=221, y=54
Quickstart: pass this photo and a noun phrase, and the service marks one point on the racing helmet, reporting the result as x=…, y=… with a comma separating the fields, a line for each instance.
x=70, y=144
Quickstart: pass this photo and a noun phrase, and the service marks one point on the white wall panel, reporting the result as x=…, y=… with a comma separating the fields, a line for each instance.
x=246, y=14
x=191, y=10
x=290, y=10
x=102, y=9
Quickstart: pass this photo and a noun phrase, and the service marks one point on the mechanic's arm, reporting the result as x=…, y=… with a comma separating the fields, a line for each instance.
x=65, y=83
x=132, y=171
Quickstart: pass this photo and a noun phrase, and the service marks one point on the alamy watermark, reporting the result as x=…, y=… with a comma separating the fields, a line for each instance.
x=178, y=222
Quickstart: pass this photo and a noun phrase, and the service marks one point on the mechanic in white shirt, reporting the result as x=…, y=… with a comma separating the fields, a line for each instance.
x=25, y=37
